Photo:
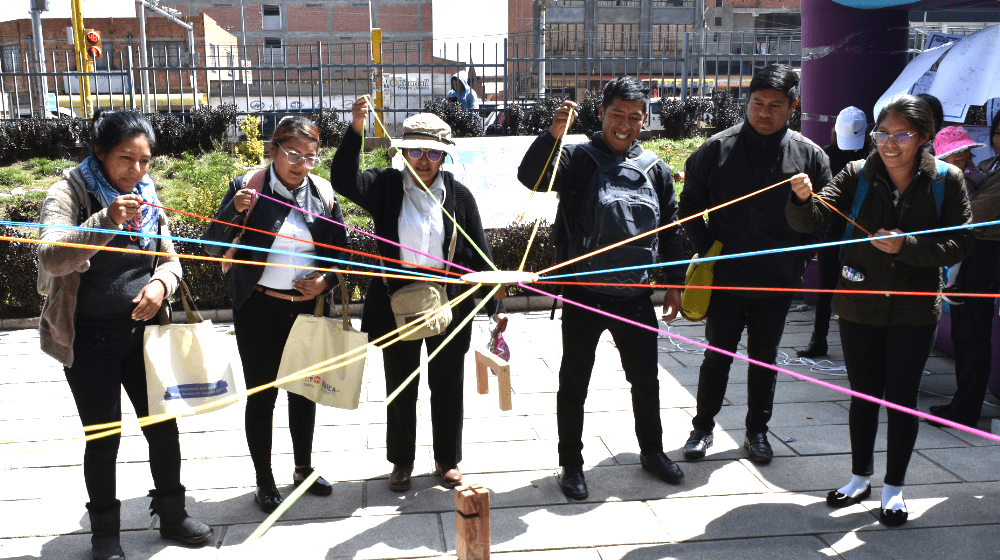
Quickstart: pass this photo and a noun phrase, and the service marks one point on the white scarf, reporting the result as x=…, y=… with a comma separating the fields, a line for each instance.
x=421, y=222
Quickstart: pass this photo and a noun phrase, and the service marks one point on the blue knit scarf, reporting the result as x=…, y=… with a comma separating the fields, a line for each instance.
x=98, y=185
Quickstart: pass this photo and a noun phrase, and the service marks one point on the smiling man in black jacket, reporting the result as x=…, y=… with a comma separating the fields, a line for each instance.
x=757, y=153
x=610, y=190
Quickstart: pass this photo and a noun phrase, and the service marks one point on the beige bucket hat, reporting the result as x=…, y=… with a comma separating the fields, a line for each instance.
x=425, y=130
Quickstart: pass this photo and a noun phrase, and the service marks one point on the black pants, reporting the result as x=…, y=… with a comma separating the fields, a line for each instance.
x=884, y=362
x=764, y=320
x=972, y=332
x=828, y=259
x=581, y=330
x=262, y=326
x=104, y=361
x=445, y=373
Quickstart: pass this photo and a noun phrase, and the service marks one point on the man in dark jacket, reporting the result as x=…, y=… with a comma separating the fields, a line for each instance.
x=623, y=112
x=760, y=152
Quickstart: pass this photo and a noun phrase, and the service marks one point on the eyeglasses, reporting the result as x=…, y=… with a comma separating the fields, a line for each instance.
x=416, y=153
x=901, y=138
x=296, y=158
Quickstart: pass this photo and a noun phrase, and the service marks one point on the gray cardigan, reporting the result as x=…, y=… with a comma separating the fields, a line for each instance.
x=66, y=204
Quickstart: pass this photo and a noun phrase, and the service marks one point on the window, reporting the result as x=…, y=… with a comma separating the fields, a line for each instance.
x=564, y=39
x=167, y=55
x=668, y=40
x=618, y=39
x=10, y=58
x=272, y=17
x=273, y=52
x=718, y=22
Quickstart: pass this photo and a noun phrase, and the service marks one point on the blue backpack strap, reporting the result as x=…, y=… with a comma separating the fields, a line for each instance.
x=938, y=186
x=859, y=197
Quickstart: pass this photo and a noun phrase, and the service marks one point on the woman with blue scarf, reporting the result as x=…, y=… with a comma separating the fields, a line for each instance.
x=98, y=305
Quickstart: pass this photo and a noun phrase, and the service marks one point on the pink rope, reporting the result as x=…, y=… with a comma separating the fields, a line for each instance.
x=372, y=235
x=799, y=376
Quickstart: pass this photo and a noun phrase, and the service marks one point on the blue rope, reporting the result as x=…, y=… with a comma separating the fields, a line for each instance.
x=771, y=251
x=220, y=244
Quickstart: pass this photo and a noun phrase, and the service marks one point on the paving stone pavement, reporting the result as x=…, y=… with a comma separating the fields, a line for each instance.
x=725, y=507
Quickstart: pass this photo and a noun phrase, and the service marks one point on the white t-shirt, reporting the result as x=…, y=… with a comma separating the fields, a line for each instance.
x=294, y=227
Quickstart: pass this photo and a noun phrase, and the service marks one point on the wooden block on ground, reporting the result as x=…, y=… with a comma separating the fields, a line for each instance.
x=472, y=522
x=488, y=360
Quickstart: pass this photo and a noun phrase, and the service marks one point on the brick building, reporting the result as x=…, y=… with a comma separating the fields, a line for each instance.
x=285, y=29
x=167, y=45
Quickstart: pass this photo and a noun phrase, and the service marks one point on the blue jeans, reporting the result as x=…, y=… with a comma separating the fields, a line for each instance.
x=764, y=320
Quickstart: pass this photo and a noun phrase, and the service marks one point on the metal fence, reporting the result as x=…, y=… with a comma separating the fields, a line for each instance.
x=273, y=80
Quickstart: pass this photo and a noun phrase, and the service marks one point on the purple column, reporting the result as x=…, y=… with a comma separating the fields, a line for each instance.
x=855, y=57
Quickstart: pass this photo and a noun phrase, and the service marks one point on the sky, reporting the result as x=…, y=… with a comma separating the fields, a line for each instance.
x=451, y=19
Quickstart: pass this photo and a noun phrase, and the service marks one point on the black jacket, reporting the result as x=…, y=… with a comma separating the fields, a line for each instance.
x=380, y=193
x=916, y=267
x=573, y=178
x=737, y=162
x=268, y=216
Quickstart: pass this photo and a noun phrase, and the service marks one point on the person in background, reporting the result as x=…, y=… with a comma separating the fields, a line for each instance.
x=886, y=339
x=972, y=320
x=938, y=111
x=406, y=212
x=95, y=315
x=754, y=154
x=850, y=142
x=461, y=92
x=267, y=297
x=953, y=145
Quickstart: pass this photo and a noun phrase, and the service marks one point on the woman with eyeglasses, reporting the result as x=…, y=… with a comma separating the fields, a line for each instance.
x=269, y=294
x=886, y=338
x=409, y=207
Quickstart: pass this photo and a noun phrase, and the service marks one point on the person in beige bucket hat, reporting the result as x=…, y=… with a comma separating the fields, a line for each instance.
x=413, y=215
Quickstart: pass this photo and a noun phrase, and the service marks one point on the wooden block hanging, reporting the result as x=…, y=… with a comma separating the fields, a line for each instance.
x=486, y=360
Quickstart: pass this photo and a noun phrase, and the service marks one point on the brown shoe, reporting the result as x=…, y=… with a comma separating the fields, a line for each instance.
x=399, y=480
x=450, y=477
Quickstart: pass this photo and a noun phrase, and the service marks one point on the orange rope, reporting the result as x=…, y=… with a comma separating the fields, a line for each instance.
x=215, y=259
x=831, y=207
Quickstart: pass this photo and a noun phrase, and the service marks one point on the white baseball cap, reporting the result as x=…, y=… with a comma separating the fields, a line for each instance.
x=850, y=127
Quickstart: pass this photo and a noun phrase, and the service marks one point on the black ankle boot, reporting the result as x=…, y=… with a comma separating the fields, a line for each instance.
x=105, y=524
x=175, y=524
x=817, y=347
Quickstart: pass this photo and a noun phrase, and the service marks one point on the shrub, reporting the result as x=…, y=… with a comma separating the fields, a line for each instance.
x=331, y=128
x=48, y=138
x=588, y=121
x=174, y=136
x=462, y=121
x=207, y=180
x=513, y=120
x=18, y=274
x=680, y=118
x=727, y=111
x=251, y=152
x=539, y=118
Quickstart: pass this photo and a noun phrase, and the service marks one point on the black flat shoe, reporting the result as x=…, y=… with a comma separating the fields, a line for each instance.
x=661, y=465
x=319, y=487
x=838, y=500
x=698, y=442
x=817, y=347
x=400, y=478
x=892, y=517
x=758, y=448
x=267, y=497
x=573, y=484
